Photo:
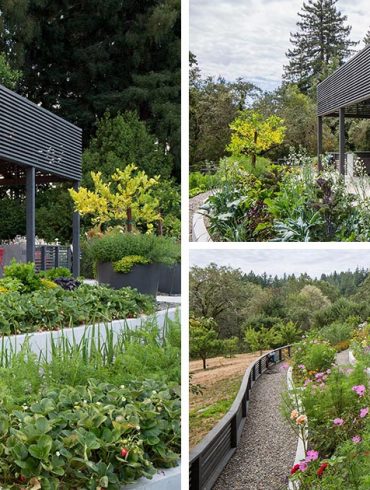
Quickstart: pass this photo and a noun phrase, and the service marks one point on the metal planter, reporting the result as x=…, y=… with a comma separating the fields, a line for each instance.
x=144, y=278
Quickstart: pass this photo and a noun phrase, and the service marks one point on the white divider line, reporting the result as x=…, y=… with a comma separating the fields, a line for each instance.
x=300, y=452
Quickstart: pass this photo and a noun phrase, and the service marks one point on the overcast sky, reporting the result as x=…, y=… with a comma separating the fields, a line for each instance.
x=249, y=38
x=278, y=262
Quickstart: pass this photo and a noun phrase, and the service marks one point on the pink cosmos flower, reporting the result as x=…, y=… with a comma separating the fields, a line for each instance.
x=301, y=366
x=311, y=456
x=359, y=389
x=364, y=412
x=319, y=376
x=307, y=382
x=303, y=466
x=356, y=439
x=338, y=421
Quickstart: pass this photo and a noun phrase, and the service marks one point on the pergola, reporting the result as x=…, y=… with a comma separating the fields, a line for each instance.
x=38, y=147
x=345, y=93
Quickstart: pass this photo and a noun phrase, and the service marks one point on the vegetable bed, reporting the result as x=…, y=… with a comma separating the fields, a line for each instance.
x=52, y=309
x=79, y=421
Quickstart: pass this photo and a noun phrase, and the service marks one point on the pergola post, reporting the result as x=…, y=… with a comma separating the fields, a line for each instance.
x=76, y=238
x=319, y=142
x=30, y=213
x=342, y=141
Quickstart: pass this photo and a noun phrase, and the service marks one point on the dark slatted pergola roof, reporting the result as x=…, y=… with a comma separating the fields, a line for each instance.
x=345, y=93
x=36, y=147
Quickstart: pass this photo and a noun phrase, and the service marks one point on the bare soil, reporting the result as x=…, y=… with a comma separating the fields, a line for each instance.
x=219, y=368
x=219, y=383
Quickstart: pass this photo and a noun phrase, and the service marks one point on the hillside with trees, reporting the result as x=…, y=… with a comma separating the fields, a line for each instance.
x=259, y=312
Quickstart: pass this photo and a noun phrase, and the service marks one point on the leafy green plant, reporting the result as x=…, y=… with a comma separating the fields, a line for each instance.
x=50, y=309
x=230, y=346
x=25, y=274
x=262, y=339
x=127, y=263
x=55, y=273
x=314, y=353
x=199, y=183
x=114, y=246
x=78, y=420
x=337, y=332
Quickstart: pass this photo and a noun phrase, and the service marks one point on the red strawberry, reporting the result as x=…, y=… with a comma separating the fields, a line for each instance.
x=124, y=453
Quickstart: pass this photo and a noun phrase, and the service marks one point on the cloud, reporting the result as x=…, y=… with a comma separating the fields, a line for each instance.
x=288, y=261
x=249, y=38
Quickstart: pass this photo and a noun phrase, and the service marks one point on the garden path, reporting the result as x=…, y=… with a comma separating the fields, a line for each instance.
x=268, y=444
x=194, y=204
x=342, y=358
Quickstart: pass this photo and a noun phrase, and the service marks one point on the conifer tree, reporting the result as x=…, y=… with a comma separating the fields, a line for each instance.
x=367, y=38
x=321, y=41
x=81, y=59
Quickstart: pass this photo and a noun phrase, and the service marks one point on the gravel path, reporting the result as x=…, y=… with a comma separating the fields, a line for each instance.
x=342, y=358
x=267, y=447
x=194, y=205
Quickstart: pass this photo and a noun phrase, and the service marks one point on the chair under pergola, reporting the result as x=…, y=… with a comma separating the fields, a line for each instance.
x=344, y=94
x=38, y=147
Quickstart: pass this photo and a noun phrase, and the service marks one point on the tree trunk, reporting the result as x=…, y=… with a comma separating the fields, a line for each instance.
x=129, y=220
x=204, y=363
x=254, y=156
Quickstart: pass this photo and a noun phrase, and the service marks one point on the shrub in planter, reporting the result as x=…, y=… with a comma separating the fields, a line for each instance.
x=117, y=251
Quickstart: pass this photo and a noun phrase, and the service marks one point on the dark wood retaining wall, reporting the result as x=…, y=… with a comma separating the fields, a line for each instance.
x=211, y=455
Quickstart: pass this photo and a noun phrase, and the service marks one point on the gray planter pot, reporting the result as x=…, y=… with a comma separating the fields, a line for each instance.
x=170, y=279
x=144, y=278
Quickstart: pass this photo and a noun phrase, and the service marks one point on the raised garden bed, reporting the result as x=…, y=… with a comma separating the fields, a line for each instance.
x=82, y=422
x=42, y=342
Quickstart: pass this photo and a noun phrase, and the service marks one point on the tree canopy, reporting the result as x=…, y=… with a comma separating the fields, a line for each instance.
x=321, y=42
x=253, y=134
x=81, y=59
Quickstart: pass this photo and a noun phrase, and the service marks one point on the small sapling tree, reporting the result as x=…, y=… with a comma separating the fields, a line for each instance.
x=203, y=339
x=252, y=134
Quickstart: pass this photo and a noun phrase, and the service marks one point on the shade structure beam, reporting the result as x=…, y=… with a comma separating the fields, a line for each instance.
x=319, y=142
x=342, y=141
x=30, y=213
x=76, y=238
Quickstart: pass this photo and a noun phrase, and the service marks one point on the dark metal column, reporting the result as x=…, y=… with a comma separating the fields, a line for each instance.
x=76, y=239
x=319, y=142
x=30, y=213
x=342, y=142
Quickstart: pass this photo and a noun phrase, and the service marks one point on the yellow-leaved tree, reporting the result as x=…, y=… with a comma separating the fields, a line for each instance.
x=252, y=134
x=131, y=202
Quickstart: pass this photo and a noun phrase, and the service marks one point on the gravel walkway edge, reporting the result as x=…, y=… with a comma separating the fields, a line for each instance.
x=268, y=444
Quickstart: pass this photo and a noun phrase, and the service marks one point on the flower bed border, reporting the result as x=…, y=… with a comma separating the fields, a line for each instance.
x=199, y=229
x=42, y=341
x=167, y=479
x=300, y=454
